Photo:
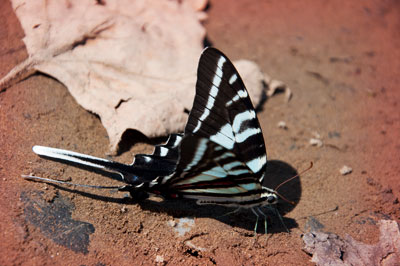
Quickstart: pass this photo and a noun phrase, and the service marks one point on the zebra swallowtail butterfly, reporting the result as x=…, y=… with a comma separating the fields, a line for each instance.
x=220, y=158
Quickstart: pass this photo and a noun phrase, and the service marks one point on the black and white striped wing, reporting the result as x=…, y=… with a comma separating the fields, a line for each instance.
x=222, y=112
x=145, y=167
x=161, y=162
x=211, y=174
x=222, y=154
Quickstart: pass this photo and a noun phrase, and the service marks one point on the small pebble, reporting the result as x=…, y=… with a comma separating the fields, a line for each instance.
x=193, y=246
x=172, y=223
x=282, y=125
x=316, y=142
x=345, y=170
x=288, y=94
x=159, y=259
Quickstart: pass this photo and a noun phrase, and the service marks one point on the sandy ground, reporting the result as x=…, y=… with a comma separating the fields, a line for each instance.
x=342, y=62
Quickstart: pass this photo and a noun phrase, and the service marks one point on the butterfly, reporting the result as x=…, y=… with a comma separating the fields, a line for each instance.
x=219, y=159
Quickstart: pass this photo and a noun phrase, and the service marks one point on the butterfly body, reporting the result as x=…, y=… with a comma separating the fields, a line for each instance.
x=219, y=159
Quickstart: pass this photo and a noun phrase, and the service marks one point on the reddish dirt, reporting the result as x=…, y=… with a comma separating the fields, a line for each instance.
x=342, y=62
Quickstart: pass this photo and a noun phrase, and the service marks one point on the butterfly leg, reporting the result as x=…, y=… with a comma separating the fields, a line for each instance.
x=280, y=218
x=255, y=227
x=228, y=213
x=265, y=219
x=54, y=181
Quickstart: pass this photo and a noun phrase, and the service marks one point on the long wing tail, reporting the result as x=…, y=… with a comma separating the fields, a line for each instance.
x=144, y=168
x=83, y=160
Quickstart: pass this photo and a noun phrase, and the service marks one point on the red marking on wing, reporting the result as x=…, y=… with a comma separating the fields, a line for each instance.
x=205, y=184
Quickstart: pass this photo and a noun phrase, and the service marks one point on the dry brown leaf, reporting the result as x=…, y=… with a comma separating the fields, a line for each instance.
x=330, y=249
x=131, y=62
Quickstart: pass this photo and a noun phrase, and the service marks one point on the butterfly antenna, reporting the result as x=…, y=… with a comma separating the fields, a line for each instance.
x=290, y=179
x=48, y=180
x=285, y=199
x=281, y=184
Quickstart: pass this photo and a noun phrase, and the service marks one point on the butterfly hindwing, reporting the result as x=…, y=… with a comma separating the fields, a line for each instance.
x=211, y=174
x=170, y=150
x=161, y=162
x=145, y=167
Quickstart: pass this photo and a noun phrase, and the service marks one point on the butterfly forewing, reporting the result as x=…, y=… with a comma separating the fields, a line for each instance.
x=222, y=111
x=222, y=155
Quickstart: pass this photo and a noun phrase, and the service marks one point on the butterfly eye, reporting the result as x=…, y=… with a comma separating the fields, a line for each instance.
x=271, y=199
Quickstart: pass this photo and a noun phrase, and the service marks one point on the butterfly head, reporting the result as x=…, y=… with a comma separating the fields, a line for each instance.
x=269, y=195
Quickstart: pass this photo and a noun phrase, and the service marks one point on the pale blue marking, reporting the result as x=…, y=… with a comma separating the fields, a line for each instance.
x=224, y=156
x=256, y=164
x=251, y=186
x=214, y=90
x=218, y=148
x=242, y=93
x=231, y=165
x=218, y=72
x=216, y=171
x=202, y=117
x=216, y=81
x=234, y=99
x=220, y=64
x=199, y=178
x=233, y=79
x=229, y=190
x=240, y=118
x=242, y=136
x=177, y=141
x=163, y=151
x=261, y=178
x=238, y=172
x=197, y=127
x=210, y=103
x=199, y=153
x=222, y=139
x=227, y=131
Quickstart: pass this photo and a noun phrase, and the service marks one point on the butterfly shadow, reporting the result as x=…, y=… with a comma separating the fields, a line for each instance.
x=243, y=218
x=277, y=172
